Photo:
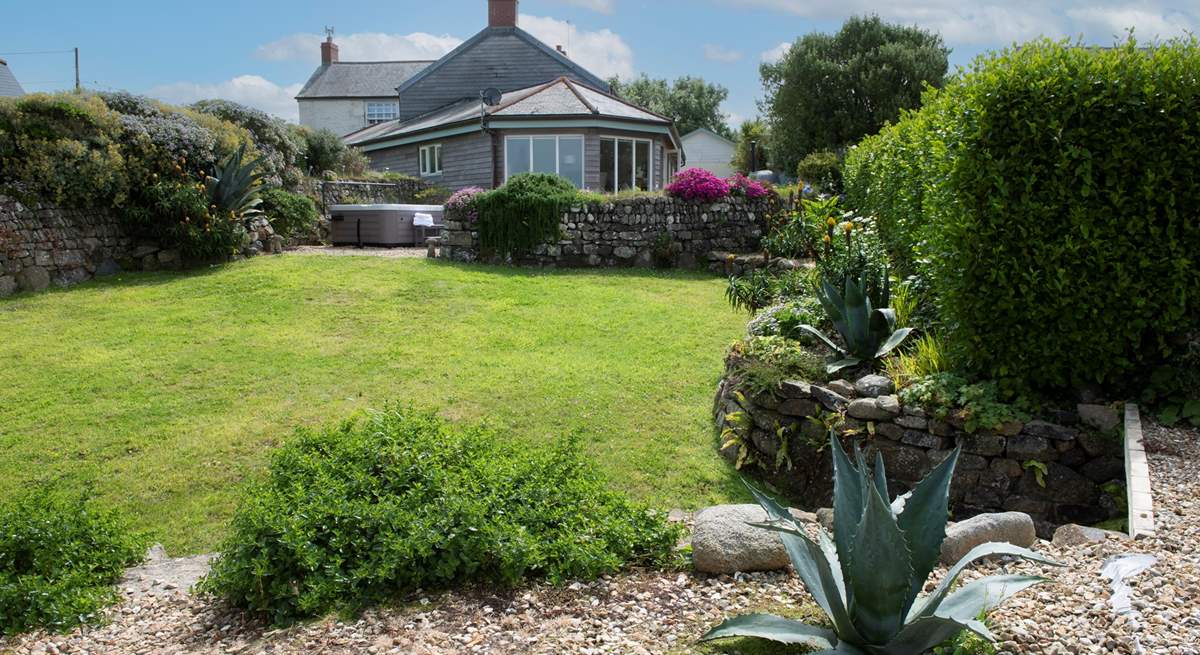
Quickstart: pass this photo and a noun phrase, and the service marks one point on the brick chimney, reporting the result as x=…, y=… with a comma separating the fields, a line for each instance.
x=502, y=13
x=329, y=51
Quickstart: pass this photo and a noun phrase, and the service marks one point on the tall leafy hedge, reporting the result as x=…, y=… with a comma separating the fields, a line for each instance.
x=1051, y=196
x=524, y=213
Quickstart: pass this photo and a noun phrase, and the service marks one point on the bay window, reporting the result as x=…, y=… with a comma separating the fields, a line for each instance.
x=560, y=155
x=625, y=164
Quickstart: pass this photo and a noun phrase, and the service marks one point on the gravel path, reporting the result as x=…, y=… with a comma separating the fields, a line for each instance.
x=351, y=251
x=663, y=613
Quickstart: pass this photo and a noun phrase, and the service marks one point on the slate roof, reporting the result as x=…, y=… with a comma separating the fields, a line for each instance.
x=360, y=79
x=8, y=82
x=560, y=98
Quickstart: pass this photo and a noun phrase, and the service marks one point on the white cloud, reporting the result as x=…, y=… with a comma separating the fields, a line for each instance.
x=773, y=55
x=602, y=6
x=249, y=90
x=360, y=46
x=999, y=22
x=603, y=52
x=720, y=53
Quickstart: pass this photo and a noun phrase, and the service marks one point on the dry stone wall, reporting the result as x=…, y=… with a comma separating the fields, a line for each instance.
x=1054, y=470
x=635, y=232
x=43, y=245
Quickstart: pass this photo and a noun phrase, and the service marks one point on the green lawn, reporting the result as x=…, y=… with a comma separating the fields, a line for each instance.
x=166, y=390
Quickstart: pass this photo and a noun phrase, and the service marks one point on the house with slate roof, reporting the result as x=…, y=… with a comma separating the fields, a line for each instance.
x=9, y=86
x=552, y=115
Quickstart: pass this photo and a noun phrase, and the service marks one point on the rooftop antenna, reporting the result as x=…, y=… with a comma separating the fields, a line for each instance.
x=329, y=33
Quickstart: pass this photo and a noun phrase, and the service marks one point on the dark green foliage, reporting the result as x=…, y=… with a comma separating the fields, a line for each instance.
x=291, y=214
x=1174, y=387
x=756, y=131
x=60, y=555
x=323, y=150
x=867, y=333
x=1049, y=197
x=524, y=213
x=690, y=101
x=400, y=500
x=949, y=395
x=822, y=170
x=233, y=186
x=828, y=91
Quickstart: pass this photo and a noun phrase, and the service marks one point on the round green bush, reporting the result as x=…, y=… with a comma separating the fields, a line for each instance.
x=399, y=500
x=523, y=213
x=822, y=170
x=291, y=214
x=1049, y=196
x=60, y=555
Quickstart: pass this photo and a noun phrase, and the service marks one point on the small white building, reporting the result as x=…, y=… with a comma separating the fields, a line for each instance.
x=706, y=149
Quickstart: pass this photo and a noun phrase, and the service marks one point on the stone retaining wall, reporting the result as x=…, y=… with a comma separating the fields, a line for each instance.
x=631, y=233
x=43, y=245
x=997, y=471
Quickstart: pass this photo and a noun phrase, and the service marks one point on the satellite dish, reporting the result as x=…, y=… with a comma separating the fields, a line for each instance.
x=490, y=96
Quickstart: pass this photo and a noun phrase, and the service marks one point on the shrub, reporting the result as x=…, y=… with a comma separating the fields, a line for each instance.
x=786, y=318
x=949, y=395
x=770, y=360
x=399, y=500
x=698, y=184
x=291, y=214
x=324, y=151
x=60, y=555
x=275, y=141
x=524, y=213
x=1044, y=195
x=460, y=206
x=822, y=170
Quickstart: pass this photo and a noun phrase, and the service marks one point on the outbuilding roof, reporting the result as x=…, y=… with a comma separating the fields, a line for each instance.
x=360, y=79
x=559, y=98
x=8, y=82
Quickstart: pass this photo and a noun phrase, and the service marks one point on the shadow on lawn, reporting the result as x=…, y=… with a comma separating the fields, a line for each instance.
x=511, y=271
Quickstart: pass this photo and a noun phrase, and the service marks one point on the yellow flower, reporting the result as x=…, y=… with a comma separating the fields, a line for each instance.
x=831, y=222
x=848, y=227
x=827, y=239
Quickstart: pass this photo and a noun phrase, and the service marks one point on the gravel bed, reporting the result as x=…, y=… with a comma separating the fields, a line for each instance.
x=352, y=251
x=662, y=613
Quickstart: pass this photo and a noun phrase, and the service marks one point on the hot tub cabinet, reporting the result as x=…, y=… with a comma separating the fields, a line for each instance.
x=379, y=225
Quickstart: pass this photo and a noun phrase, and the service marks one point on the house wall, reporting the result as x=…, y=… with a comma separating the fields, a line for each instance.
x=467, y=159
x=502, y=60
x=710, y=152
x=338, y=115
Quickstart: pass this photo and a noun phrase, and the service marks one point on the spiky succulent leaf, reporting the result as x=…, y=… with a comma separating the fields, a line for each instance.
x=848, y=500
x=824, y=339
x=840, y=364
x=922, y=635
x=858, y=320
x=880, y=474
x=928, y=606
x=980, y=596
x=879, y=572
x=775, y=628
x=834, y=305
x=894, y=340
x=923, y=521
x=816, y=565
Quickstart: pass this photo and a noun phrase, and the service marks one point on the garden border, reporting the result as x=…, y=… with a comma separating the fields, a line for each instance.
x=1137, y=476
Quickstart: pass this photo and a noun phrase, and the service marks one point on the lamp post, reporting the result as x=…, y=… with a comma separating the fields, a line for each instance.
x=753, y=156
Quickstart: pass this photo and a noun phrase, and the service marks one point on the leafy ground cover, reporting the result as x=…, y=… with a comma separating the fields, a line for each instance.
x=167, y=390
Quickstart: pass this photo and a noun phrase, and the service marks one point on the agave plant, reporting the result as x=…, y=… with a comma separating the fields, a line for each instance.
x=867, y=576
x=869, y=333
x=233, y=186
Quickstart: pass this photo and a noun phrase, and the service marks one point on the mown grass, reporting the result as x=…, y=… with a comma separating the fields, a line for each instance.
x=167, y=390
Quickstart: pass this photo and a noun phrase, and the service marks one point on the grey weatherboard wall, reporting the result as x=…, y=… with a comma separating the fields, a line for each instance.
x=501, y=57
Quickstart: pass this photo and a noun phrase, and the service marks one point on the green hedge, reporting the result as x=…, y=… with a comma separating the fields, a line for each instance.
x=524, y=213
x=1050, y=196
x=400, y=500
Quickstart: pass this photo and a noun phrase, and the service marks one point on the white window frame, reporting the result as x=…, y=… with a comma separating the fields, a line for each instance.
x=393, y=113
x=429, y=160
x=557, y=153
x=633, y=164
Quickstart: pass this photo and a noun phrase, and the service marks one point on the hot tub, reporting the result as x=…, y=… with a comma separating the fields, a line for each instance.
x=379, y=225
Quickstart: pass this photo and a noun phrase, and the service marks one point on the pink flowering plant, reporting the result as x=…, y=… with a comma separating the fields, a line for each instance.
x=698, y=184
x=461, y=204
x=740, y=185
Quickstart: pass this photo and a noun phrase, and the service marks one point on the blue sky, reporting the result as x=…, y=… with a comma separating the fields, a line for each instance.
x=261, y=51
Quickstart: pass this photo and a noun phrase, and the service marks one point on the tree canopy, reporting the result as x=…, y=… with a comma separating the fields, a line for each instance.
x=829, y=91
x=751, y=130
x=690, y=101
